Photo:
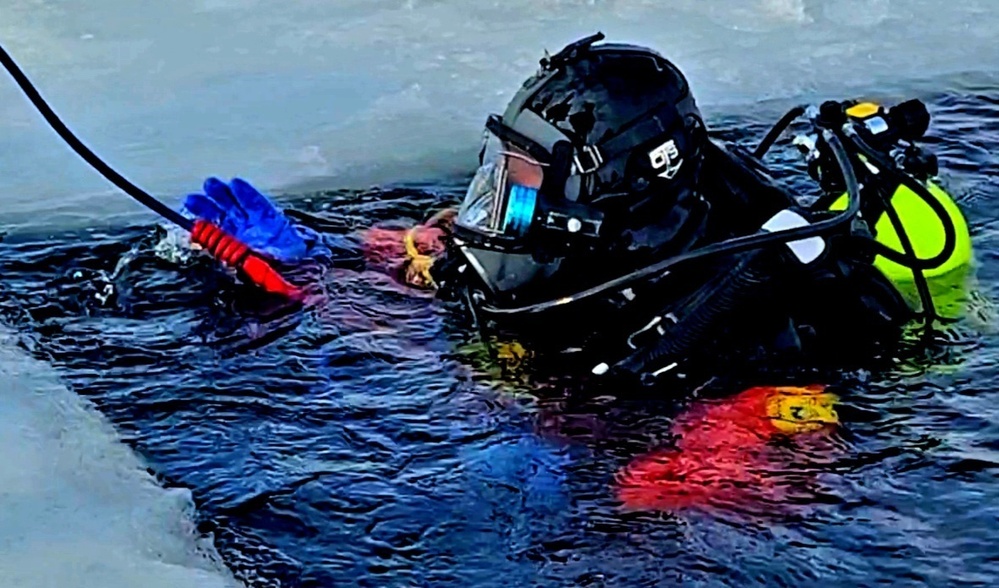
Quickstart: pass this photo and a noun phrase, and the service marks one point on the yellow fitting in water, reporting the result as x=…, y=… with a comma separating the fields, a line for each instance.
x=863, y=110
x=418, y=268
x=795, y=410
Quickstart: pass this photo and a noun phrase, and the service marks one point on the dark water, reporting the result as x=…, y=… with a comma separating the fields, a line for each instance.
x=372, y=441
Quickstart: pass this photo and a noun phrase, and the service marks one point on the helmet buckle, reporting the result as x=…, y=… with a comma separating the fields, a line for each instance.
x=587, y=160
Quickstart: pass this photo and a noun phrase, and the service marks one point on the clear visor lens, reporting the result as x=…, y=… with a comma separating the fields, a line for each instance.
x=502, y=196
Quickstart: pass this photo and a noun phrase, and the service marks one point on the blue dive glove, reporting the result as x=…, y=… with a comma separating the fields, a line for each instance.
x=246, y=214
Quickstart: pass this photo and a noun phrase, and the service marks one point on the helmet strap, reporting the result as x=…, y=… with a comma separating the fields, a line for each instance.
x=560, y=169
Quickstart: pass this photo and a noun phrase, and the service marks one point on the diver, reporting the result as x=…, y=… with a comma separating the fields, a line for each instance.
x=605, y=225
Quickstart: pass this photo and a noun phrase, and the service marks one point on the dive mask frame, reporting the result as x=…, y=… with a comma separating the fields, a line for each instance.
x=526, y=218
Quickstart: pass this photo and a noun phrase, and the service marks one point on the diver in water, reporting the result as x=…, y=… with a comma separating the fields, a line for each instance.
x=606, y=225
x=605, y=228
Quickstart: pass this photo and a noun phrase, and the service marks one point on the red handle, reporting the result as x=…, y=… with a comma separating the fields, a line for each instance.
x=234, y=253
x=267, y=277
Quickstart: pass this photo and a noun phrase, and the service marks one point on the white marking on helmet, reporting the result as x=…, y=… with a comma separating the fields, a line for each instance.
x=666, y=156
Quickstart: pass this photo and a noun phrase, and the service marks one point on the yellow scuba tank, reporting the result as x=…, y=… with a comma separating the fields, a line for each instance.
x=926, y=234
x=924, y=229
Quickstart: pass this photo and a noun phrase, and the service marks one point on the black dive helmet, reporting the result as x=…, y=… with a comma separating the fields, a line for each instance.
x=591, y=161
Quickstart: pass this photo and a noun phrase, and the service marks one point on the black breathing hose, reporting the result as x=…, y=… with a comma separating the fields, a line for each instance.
x=908, y=258
x=922, y=286
x=745, y=277
x=775, y=131
x=83, y=151
x=910, y=261
x=737, y=245
x=222, y=246
x=730, y=246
